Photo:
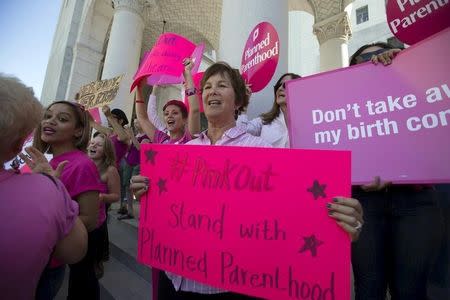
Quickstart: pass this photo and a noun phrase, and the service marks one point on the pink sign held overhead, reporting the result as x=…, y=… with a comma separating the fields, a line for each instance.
x=162, y=79
x=248, y=220
x=414, y=20
x=260, y=57
x=95, y=113
x=164, y=63
x=394, y=119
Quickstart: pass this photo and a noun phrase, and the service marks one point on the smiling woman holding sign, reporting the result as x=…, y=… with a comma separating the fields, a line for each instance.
x=224, y=93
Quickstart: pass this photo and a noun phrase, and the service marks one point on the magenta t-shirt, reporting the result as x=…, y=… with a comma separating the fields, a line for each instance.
x=80, y=175
x=163, y=138
x=133, y=158
x=36, y=213
x=120, y=149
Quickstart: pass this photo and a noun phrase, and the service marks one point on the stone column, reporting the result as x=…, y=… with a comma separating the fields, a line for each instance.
x=238, y=20
x=124, y=49
x=333, y=34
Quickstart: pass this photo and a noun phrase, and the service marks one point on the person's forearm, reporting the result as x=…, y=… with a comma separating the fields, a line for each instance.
x=135, y=142
x=89, y=222
x=105, y=130
x=194, y=107
x=152, y=113
x=109, y=198
x=118, y=129
x=141, y=114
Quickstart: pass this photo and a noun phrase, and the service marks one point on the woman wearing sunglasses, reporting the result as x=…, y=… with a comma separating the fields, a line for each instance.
x=271, y=126
x=396, y=249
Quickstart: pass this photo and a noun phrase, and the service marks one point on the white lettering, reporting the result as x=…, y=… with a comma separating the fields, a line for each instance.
x=421, y=12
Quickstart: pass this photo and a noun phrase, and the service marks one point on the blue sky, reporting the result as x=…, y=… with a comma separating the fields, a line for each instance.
x=27, y=29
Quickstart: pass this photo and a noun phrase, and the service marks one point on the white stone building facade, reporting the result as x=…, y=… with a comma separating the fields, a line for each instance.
x=101, y=39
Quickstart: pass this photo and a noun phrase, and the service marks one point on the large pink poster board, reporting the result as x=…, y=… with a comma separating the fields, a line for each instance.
x=164, y=63
x=248, y=220
x=394, y=119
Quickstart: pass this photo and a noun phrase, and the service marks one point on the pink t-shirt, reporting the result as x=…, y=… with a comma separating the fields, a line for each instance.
x=120, y=149
x=163, y=138
x=80, y=175
x=133, y=158
x=36, y=213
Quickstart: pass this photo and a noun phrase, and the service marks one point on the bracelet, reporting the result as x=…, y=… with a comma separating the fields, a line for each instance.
x=139, y=101
x=190, y=92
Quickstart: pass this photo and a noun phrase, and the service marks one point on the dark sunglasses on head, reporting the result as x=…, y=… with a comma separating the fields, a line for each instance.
x=368, y=56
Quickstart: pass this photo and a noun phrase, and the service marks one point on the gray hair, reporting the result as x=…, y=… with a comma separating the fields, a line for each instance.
x=21, y=111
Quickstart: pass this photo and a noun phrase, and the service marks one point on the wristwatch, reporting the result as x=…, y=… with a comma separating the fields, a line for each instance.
x=190, y=92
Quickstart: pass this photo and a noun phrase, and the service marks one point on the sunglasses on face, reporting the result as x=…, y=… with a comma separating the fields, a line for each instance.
x=277, y=86
x=368, y=56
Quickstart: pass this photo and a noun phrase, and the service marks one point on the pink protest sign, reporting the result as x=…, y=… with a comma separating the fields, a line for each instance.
x=95, y=113
x=414, y=20
x=260, y=57
x=248, y=220
x=394, y=119
x=161, y=79
x=165, y=58
x=197, y=82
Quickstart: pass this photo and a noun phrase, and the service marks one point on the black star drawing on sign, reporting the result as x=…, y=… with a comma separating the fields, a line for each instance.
x=162, y=185
x=317, y=190
x=311, y=244
x=150, y=154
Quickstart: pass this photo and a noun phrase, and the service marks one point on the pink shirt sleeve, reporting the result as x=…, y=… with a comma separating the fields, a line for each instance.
x=88, y=179
x=67, y=211
x=83, y=177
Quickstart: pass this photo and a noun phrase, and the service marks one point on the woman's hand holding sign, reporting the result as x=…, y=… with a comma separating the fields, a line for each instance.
x=348, y=213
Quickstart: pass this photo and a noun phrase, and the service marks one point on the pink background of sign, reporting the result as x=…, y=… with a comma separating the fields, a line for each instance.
x=434, y=22
x=95, y=113
x=161, y=79
x=261, y=75
x=408, y=157
x=290, y=203
x=182, y=47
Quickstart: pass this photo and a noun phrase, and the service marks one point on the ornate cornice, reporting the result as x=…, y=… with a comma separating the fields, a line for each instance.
x=324, y=9
x=337, y=26
x=135, y=6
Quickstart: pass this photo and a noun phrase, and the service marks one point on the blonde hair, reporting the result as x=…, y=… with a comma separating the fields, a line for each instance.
x=21, y=110
x=82, y=118
x=109, y=154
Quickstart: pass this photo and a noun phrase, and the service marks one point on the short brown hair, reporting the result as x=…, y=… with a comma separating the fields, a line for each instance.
x=82, y=117
x=237, y=82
